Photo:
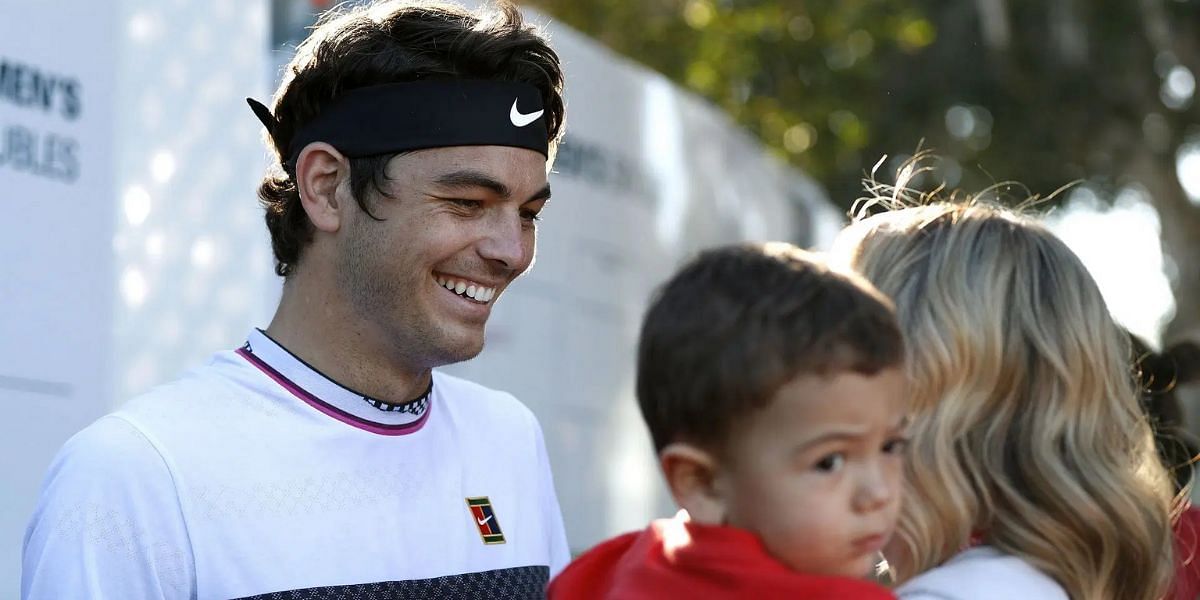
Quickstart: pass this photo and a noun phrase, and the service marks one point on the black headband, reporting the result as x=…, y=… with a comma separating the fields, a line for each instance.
x=398, y=117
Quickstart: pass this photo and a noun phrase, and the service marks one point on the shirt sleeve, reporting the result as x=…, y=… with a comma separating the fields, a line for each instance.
x=923, y=595
x=560, y=553
x=108, y=524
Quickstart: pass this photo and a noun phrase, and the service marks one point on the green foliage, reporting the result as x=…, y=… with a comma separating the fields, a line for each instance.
x=1066, y=90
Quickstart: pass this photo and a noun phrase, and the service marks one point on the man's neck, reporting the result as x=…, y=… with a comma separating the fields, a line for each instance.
x=320, y=328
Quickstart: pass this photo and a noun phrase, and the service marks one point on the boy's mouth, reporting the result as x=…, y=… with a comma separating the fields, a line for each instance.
x=870, y=543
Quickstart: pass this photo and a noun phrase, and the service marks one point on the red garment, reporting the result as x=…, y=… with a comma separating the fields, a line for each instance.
x=1186, y=585
x=674, y=558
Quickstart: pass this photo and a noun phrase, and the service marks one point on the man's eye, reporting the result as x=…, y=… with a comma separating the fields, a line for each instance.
x=465, y=203
x=530, y=215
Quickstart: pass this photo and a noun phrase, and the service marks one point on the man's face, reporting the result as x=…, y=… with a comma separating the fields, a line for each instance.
x=817, y=473
x=458, y=225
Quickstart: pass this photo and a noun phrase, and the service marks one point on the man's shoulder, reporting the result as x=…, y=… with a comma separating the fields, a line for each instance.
x=127, y=441
x=107, y=444
x=192, y=396
x=132, y=430
x=107, y=459
x=107, y=519
x=982, y=573
x=476, y=397
x=475, y=407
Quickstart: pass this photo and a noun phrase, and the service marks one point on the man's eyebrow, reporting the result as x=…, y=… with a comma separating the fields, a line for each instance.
x=542, y=194
x=468, y=178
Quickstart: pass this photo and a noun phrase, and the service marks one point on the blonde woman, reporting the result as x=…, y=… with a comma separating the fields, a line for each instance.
x=1032, y=472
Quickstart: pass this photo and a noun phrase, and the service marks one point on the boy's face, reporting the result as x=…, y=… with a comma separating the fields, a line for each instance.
x=817, y=473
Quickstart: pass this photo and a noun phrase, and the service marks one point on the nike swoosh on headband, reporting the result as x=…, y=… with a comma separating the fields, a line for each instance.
x=521, y=120
x=416, y=115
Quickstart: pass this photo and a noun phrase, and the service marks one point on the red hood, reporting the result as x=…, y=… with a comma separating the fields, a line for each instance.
x=674, y=558
x=1186, y=585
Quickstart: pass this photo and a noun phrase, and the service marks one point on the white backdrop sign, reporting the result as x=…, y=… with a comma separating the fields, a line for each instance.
x=131, y=245
x=56, y=82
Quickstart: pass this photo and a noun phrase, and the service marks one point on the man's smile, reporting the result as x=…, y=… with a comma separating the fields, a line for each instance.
x=467, y=288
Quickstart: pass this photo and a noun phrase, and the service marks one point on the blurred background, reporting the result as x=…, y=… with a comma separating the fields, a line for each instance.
x=132, y=246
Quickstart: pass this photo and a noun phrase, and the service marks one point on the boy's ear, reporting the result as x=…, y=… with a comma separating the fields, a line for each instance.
x=320, y=171
x=691, y=474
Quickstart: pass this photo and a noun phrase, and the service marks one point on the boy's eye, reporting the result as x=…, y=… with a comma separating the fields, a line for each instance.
x=895, y=446
x=831, y=463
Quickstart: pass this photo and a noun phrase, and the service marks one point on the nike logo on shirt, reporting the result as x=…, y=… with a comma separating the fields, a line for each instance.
x=484, y=521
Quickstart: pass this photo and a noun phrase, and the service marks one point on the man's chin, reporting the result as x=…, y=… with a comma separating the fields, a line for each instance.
x=458, y=349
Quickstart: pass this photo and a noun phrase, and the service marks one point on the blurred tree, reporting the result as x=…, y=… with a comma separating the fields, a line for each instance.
x=1043, y=92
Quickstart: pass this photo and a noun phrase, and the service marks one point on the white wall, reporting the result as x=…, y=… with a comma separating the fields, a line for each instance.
x=153, y=253
x=55, y=243
x=193, y=262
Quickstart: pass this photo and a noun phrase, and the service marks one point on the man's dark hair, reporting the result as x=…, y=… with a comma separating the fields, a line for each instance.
x=738, y=322
x=394, y=42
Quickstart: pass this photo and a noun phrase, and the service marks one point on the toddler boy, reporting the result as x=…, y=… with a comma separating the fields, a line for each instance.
x=773, y=390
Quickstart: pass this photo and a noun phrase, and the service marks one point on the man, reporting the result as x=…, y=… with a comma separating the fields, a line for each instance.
x=324, y=458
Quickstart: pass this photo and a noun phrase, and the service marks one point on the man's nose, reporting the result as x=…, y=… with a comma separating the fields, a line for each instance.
x=508, y=241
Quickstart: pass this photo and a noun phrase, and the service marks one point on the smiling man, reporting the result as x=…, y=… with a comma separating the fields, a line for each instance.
x=325, y=458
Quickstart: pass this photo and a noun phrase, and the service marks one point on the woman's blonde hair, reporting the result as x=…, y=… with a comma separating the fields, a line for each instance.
x=1027, y=432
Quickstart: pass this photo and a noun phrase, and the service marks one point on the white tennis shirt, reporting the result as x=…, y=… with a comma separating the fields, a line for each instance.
x=256, y=476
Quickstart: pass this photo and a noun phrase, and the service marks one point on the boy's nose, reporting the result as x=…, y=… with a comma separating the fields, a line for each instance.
x=875, y=491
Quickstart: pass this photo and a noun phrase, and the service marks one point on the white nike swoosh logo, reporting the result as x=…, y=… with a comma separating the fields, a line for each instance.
x=519, y=119
x=484, y=522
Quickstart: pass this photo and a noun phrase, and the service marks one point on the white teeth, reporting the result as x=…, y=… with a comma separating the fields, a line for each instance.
x=470, y=290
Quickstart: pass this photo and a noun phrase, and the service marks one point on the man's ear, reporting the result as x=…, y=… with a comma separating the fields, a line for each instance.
x=320, y=171
x=691, y=475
